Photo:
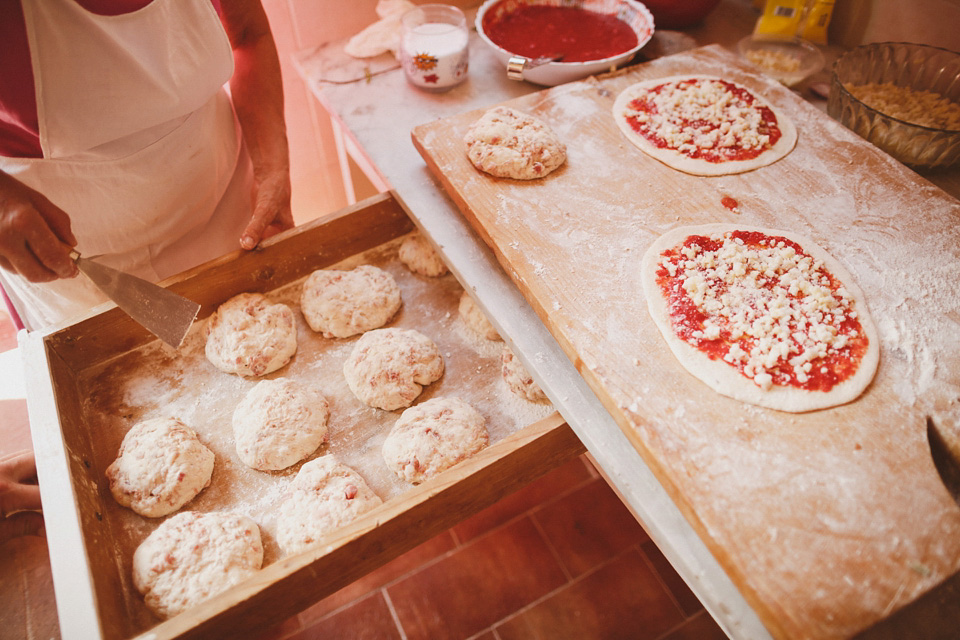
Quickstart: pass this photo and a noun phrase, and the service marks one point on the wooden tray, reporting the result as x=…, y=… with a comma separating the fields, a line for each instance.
x=90, y=381
x=827, y=521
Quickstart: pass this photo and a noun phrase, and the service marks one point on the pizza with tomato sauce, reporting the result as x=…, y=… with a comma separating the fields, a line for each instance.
x=703, y=125
x=762, y=316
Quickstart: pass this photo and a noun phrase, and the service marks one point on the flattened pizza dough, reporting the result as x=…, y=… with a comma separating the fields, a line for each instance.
x=250, y=336
x=507, y=143
x=703, y=125
x=193, y=556
x=161, y=466
x=326, y=494
x=278, y=423
x=388, y=368
x=340, y=304
x=433, y=436
x=518, y=379
x=420, y=257
x=474, y=318
x=763, y=316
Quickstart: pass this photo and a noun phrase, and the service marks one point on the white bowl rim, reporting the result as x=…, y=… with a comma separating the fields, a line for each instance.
x=638, y=6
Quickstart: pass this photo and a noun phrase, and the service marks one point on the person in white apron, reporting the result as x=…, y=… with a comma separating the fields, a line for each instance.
x=145, y=156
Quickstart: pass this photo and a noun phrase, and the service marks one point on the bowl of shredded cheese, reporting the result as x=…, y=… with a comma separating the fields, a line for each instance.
x=902, y=97
x=789, y=60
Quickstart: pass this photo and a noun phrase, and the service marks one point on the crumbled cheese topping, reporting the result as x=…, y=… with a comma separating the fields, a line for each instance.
x=701, y=114
x=774, y=305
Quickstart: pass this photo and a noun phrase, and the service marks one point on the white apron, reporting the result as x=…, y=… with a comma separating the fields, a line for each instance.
x=140, y=144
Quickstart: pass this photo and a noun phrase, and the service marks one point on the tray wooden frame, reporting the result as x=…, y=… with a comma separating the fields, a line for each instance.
x=86, y=584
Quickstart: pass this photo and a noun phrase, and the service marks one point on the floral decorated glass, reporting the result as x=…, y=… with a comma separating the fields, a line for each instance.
x=433, y=46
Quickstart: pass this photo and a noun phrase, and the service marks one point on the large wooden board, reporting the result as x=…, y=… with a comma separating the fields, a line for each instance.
x=827, y=521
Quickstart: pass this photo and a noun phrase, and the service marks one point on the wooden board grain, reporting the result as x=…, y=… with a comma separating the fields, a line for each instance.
x=828, y=521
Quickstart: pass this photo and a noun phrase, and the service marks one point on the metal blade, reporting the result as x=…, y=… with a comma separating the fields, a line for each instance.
x=161, y=311
x=943, y=459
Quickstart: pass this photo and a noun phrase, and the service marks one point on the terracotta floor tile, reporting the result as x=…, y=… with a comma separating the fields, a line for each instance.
x=589, y=526
x=700, y=627
x=416, y=557
x=27, y=603
x=477, y=585
x=367, y=619
x=681, y=592
x=622, y=599
x=562, y=479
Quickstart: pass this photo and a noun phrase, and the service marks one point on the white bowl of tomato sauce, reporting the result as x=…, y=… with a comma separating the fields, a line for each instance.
x=587, y=37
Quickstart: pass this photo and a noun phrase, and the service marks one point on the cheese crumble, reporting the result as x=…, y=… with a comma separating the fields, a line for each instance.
x=777, y=310
x=699, y=115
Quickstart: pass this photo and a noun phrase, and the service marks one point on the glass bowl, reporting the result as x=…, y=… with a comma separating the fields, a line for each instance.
x=789, y=60
x=550, y=74
x=912, y=68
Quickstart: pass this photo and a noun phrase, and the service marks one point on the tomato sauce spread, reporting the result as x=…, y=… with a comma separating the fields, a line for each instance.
x=719, y=135
x=765, y=307
x=579, y=35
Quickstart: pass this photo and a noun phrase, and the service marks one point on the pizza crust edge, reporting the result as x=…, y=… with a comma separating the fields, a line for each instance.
x=727, y=380
x=693, y=166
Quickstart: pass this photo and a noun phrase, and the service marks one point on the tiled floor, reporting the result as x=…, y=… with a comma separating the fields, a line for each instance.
x=561, y=558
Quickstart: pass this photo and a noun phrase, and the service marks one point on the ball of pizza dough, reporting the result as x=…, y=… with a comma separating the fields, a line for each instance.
x=420, y=257
x=324, y=495
x=474, y=318
x=340, y=304
x=434, y=436
x=507, y=143
x=250, y=336
x=161, y=466
x=193, y=556
x=278, y=423
x=518, y=379
x=388, y=368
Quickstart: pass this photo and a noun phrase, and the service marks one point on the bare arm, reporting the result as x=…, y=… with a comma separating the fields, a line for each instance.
x=35, y=236
x=257, y=91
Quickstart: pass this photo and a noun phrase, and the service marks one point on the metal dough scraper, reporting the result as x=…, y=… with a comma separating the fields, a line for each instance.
x=161, y=311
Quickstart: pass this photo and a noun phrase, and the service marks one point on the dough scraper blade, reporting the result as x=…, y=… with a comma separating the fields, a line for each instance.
x=164, y=313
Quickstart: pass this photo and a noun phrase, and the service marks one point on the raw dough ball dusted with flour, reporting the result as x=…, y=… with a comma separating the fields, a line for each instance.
x=340, y=304
x=278, y=423
x=250, y=336
x=434, y=436
x=473, y=317
x=161, y=466
x=326, y=494
x=388, y=368
x=507, y=143
x=420, y=257
x=518, y=379
x=192, y=557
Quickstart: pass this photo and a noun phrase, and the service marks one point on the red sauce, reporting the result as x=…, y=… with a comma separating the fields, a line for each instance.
x=767, y=126
x=686, y=318
x=730, y=203
x=539, y=30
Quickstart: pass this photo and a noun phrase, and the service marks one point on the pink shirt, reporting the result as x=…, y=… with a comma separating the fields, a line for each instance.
x=19, y=130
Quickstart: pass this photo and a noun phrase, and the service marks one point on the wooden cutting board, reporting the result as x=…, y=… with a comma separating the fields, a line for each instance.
x=827, y=521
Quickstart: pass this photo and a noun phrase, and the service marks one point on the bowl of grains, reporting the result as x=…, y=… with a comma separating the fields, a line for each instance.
x=789, y=60
x=904, y=98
